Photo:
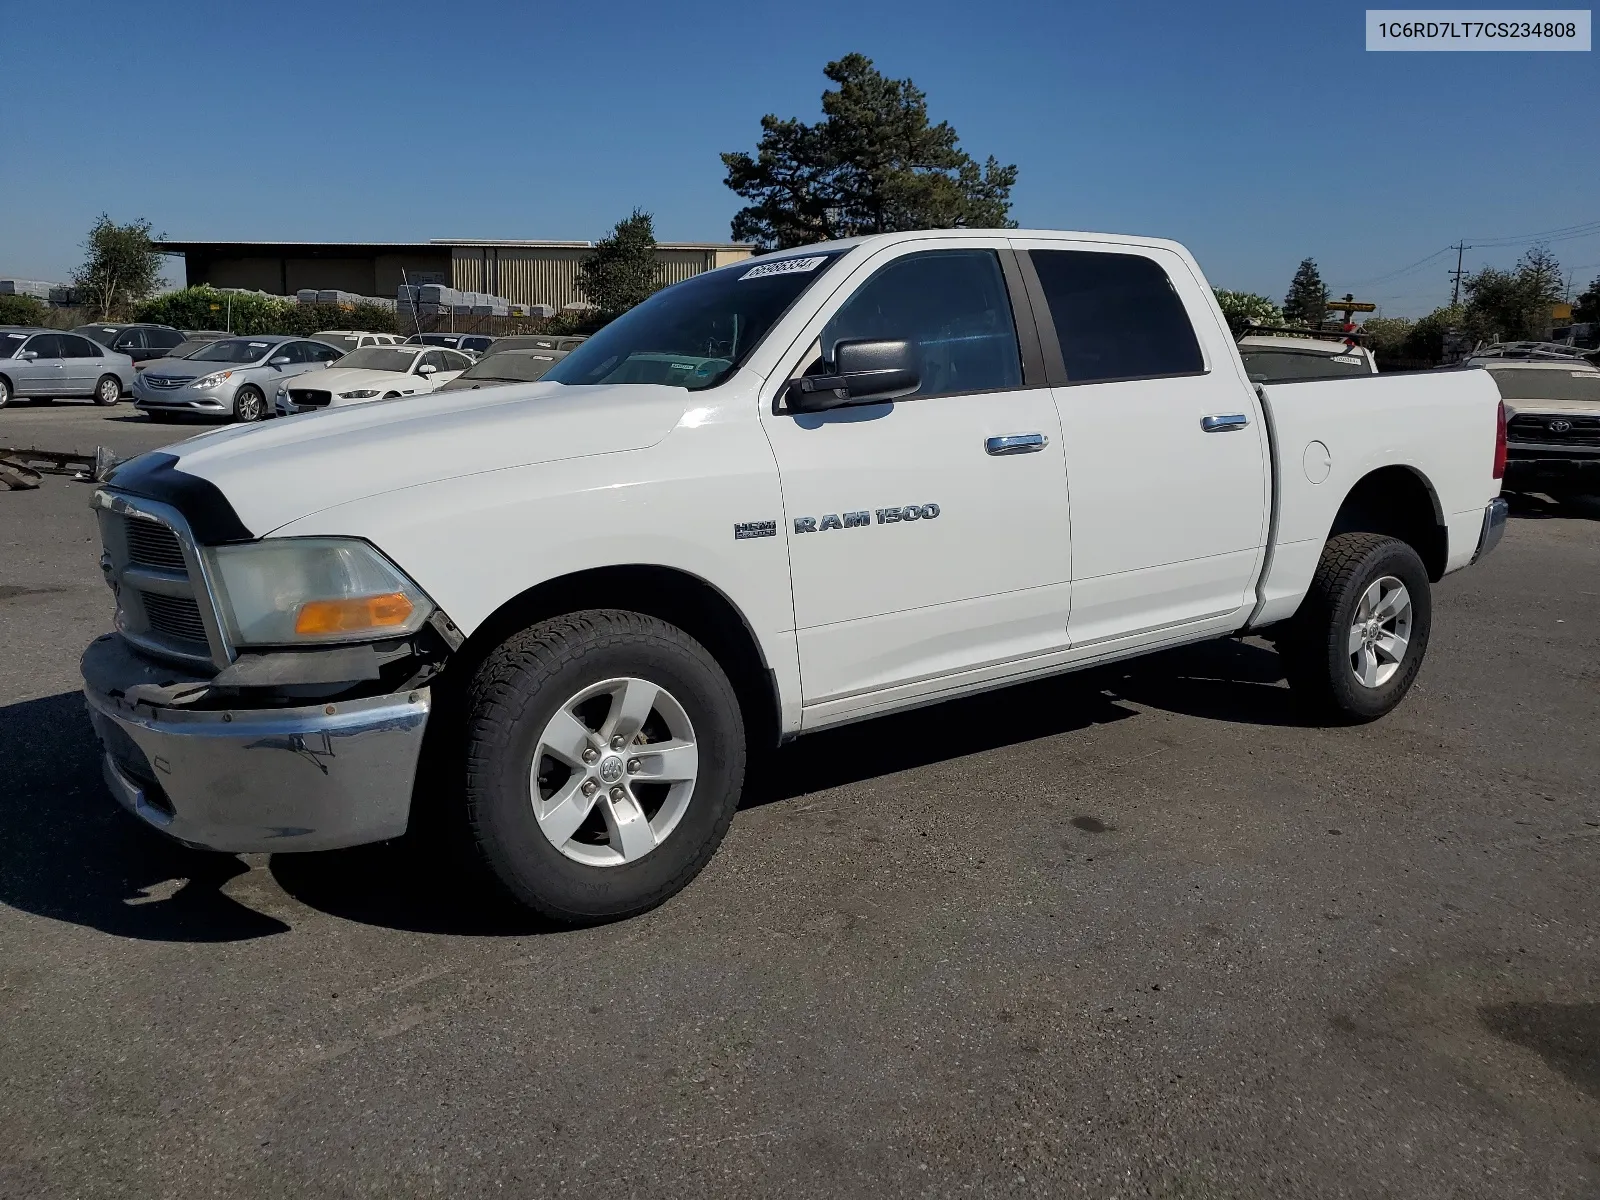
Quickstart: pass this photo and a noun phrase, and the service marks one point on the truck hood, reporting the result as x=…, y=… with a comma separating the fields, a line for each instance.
x=282, y=470
x=1565, y=408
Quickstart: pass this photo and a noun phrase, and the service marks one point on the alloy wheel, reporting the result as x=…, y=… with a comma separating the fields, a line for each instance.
x=1380, y=632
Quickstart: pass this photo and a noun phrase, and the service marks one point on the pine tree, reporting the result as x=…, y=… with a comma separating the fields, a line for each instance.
x=1307, y=301
x=623, y=269
x=873, y=164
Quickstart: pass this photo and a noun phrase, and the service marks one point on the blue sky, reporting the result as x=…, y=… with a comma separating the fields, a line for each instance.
x=1256, y=134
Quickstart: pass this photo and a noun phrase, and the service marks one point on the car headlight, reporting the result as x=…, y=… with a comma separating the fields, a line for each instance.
x=359, y=394
x=213, y=380
x=297, y=591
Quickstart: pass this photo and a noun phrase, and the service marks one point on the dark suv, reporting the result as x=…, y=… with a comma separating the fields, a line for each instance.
x=139, y=342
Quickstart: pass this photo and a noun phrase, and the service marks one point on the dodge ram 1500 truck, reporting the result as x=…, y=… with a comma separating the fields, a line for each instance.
x=809, y=489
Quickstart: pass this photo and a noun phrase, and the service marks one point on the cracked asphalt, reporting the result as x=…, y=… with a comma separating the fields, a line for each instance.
x=1138, y=932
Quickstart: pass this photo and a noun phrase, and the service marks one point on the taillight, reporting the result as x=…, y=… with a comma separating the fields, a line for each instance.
x=1500, y=443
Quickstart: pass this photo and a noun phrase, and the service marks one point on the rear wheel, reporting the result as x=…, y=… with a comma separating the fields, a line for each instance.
x=107, y=391
x=249, y=404
x=605, y=757
x=1356, y=645
x=5, y=391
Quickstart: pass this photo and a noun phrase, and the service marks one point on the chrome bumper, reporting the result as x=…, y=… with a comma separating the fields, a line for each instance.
x=263, y=780
x=1494, y=526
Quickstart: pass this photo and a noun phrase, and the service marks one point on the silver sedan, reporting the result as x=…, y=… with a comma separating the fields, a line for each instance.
x=43, y=364
x=233, y=377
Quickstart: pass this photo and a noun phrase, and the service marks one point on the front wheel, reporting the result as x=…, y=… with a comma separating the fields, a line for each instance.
x=5, y=392
x=249, y=404
x=605, y=757
x=108, y=391
x=1356, y=645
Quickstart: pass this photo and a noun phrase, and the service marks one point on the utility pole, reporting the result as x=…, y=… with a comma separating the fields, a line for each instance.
x=1460, y=248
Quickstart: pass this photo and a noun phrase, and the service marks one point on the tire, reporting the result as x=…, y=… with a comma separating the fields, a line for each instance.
x=249, y=405
x=107, y=391
x=1317, y=648
x=5, y=391
x=598, y=872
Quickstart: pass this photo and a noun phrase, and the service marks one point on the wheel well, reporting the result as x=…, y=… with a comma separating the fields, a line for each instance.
x=673, y=596
x=1397, y=502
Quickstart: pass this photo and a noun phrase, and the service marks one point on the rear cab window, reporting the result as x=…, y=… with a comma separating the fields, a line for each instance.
x=1116, y=316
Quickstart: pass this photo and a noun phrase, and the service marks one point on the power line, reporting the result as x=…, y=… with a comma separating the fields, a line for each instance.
x=1583, y=229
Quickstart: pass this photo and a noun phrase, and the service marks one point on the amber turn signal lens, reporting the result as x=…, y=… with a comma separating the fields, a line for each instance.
x=360, y=615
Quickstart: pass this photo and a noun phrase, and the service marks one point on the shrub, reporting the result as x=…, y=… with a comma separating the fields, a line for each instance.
x=23, y=310
x=205, y=307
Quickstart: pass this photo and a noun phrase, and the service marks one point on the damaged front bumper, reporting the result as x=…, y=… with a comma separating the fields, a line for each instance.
x=246, y=780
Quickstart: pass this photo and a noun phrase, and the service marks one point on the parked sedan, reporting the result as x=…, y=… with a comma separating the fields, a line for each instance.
x=536, y=341
x=232, y=377
x=506, y=366
x=473, y=343
x=371, y=373
x=43, y=364
x=140, y=341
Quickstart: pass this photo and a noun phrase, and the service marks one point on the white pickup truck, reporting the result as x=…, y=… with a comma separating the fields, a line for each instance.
x=790, y=493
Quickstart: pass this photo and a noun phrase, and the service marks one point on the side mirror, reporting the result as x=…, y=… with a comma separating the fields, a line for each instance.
x=426, y=369
x=863, y=373
x=281, y=361
x=29, y=355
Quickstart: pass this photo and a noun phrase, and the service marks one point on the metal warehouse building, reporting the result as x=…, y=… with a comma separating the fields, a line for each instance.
x=522, y=272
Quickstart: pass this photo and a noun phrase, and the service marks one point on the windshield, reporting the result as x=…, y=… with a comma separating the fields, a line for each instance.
x=185, y=349
x=1547, y=384
x=379, y=358
x=10, y=343
x=105, y=335
x=234, y=350
x=513, y=366
x=696, y=333
x=1284, y=366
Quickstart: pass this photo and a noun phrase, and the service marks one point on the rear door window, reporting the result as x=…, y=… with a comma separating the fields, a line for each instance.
x=73, y=346
x=1117, y=316
x=952, y=305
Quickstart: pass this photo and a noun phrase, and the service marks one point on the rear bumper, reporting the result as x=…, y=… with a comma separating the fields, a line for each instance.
x=258, y=780
x=1494, y=527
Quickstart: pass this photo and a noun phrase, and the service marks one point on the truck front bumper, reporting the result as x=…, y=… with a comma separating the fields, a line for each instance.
x=1535, y=468
x=256, y=780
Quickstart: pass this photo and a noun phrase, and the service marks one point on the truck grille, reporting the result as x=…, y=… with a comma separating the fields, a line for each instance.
x=152, y=545
x=161, y=607
x=308, y=398
x=1564, y=431
x=174, y=616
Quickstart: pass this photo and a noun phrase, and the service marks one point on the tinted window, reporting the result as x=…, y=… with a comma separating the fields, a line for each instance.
x=235, y=350
x=129, y=339
x=46, y=345
x=512, y=366
x=162, y=339
x=1281, y=366
x=1547, y=385
x=454, y=361
x=953, y=305
x=435, y=359
x=104, y=334
x=319, y=353
x=1116, y=316
x=10, y=343
x=78, y=347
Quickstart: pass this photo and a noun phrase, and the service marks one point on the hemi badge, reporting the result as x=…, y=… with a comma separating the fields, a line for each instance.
x=754, y=529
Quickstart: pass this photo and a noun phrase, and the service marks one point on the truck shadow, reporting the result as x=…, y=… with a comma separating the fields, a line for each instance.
x=69, y=853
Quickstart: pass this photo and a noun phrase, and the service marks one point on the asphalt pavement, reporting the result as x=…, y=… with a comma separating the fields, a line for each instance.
x=1137, y=932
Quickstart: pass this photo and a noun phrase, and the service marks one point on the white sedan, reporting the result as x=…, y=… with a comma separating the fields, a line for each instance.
x=370, y=373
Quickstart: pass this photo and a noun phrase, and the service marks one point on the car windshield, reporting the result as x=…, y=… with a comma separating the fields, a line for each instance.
x=103, y=334
x=696, y=333
x=513, y=366
x=1284, y=366
x=1546, y=384
x=10, y=343
x=234, y=350
x=379, y=358
x=185, y=349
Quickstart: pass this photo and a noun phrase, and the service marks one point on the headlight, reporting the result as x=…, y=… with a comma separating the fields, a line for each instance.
x=290, y=591
x=361, y=394
x=212, y=380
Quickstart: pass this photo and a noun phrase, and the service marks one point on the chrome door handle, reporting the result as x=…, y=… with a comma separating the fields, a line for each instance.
x=1016, y=443
x=1224, y=423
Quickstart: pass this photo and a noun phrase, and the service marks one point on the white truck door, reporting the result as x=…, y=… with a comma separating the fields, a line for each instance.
x=1167, y=460
x=921, y=543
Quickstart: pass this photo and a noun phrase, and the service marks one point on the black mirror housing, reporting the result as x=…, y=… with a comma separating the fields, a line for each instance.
x=864, y=372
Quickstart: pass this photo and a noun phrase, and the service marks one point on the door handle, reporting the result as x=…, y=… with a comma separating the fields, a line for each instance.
x=1016, y=443
x=1224, y=423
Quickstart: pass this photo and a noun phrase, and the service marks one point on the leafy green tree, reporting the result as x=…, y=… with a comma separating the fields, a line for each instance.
x=121, y=267
x=1241, y=308
x=1587, y=306
x=623, y=269
x=1514, y=304
x=23, y=310
x=873, y=164
x=1307, y=301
